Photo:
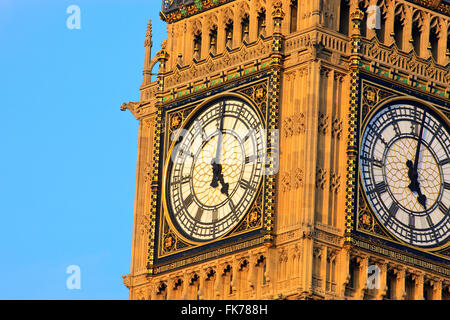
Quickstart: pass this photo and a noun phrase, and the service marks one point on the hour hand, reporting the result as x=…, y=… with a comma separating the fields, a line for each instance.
x=218, y=177
x=216, y=168
x=414, y=186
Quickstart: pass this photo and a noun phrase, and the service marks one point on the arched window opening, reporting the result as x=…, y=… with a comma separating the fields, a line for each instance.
x=398, y=31
x=344, y=17
x=416, y=37
x=434, y=38
x=293, y=20
x=381, y=31
x=245, y=28
x=229, y=34
x=213, y=40
x=363, y=8
x=262, y=23
x=197, y=46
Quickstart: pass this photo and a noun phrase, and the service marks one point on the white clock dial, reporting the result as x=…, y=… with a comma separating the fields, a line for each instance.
x=405, y=172
x=215, y=169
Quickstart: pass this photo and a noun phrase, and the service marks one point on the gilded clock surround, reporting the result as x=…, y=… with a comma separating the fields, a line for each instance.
x=171, y=243
x=373, y=96
x=312, y=235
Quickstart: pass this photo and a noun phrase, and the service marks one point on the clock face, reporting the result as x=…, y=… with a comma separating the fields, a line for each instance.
x=405, y=172
x=215, y=169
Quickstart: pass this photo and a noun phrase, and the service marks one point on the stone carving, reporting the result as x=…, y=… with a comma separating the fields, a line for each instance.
x=336, y=128
x=335, y=182
x=294, y=125
x=291, y=180
x=321, y=178
x=323, y=123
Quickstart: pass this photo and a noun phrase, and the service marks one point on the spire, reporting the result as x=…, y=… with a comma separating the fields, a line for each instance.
x=148, y=34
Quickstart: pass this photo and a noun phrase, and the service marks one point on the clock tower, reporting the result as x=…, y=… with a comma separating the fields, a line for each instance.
x=294, y=150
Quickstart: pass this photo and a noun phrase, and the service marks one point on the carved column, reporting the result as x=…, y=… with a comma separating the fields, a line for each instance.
x=407, y=45
x=253, y=29
x=418, y=286
x=442, y=57
x=425, y=38
x=221, y=32
x=237, y=28
x=203, y=275
x=187, y=288
x=252, y=272
x=381, y=292
x=389, y=38
x=363, y=262
x=437, y=289
x=399, y=287
x=205, y=38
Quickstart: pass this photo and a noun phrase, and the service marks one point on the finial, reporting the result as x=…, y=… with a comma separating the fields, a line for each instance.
x=148, y=34
x=277, y=15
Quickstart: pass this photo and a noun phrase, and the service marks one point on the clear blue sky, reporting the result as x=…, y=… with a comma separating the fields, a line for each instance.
x=68, y=154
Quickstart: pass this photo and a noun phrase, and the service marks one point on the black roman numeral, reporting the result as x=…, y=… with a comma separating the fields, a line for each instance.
x=430, y=222
x=393, y=209
x=188, y=201
x=444, y=162
x=214, y=215
x=199, y=214
x=447, y=185
x=246, y=185
x=374, y=162
x=412, y=222
x=443, y=208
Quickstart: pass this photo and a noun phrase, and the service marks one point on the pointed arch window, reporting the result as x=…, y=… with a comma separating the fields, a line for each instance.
x=434, y=38
x=417, y=32
x=262, y=23
x=293, y=20
x=398, y=27
x=197, y=45
x=245, y=28
x=381, y=31
x=344, y=17
x=229, y=34
x=213, y=40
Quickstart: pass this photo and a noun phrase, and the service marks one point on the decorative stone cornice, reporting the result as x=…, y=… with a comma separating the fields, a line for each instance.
x=175, y=10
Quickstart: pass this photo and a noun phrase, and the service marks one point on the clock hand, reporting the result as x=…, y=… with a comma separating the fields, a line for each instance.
x=413, y=173
x=419, y=144
x=216, y=166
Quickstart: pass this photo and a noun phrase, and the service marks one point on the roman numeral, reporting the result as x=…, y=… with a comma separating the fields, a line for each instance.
x=447, y=185
x=393, y=209
x=443, y=208
x=430, y=222
x=199, y=214
x=444, y=162
x=380, y=187
x=412, y=222
x=188, y=201
x=246, y=185
x=214, y=215
x=182, y=181
x=232, y=206
x=249, y=159
x=375, y=162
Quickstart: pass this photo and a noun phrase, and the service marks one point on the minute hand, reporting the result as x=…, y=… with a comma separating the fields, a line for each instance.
x=219, y=140
x=419, y=144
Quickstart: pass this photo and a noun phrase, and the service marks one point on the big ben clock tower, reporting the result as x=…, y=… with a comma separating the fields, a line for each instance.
x=294, y=150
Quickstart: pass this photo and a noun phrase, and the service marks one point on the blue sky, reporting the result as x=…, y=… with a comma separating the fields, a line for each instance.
x=68, y=154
